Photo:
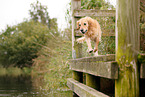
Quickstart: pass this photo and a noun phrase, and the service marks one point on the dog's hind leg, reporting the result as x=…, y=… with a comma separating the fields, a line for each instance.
x=96, y=53
x=88, y=40
x=96, y=45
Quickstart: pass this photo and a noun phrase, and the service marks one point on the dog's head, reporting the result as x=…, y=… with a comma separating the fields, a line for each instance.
x=83, y=25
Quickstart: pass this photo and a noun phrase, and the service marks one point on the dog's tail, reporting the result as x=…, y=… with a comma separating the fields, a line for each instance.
x=81, y=40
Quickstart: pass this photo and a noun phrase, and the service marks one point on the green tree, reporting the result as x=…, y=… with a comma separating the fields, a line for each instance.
x=96, y=4
x=20, y=44
x=39, y=13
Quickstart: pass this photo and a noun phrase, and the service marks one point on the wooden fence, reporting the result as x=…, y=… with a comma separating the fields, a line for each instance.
x=113, y=67
x=102, y=66
x=94, y=67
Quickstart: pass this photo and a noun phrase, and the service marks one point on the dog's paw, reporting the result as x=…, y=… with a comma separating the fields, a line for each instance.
x=95, y=50
x=90, y=51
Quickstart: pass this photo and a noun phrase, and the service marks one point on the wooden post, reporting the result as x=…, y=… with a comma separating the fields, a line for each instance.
x=76, y=48
x=127, y=48
x=93, y=81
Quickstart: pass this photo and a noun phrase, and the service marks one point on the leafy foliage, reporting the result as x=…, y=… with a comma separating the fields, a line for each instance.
x=96, y=4
x=20, y=44
x=56, y=63
x=39, y=13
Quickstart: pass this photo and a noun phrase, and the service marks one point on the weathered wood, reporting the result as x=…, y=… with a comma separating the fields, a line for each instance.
x=127, y=48
x=95, y=13
x=76, y=48
x=142, y=70
x=102, y=69
x=83, y=90
x=93, y=81
x=104, y=58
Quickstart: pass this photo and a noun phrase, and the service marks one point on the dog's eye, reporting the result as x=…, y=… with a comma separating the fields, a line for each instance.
x=85, y=24
x=79, y=24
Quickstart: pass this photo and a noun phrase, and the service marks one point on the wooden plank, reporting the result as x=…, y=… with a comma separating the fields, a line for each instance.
x=102, y=69
x=96, y=66
x=82, y=90
x=108, y=57
x=96, y=13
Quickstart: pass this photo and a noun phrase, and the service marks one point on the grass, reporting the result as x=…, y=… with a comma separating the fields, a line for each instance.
x=54, y=66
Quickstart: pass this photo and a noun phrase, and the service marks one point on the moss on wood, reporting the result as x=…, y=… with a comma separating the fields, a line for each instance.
x=127, y=42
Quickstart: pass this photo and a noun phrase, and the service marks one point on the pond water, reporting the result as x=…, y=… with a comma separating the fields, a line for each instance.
x=26, y=86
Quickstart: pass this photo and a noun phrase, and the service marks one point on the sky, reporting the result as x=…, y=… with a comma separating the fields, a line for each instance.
x=13, y=12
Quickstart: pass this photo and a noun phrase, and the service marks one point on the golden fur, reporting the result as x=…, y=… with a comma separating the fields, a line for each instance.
x=91, y=30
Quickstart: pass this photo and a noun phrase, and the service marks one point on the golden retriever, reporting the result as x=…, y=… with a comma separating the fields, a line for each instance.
x=91, y=30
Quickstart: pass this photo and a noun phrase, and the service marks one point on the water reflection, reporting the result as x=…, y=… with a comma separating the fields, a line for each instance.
x=26, y=86
x=17, y=86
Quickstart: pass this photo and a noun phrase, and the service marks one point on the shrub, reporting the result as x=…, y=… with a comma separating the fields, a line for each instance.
x=20, y=44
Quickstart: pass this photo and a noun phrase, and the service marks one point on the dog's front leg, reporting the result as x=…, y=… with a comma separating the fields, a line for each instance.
x=81, y=40
x=88, y=40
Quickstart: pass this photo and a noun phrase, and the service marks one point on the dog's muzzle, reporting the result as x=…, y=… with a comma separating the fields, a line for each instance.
x=83, y=31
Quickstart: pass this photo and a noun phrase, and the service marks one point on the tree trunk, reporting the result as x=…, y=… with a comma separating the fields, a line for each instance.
x=127, y=48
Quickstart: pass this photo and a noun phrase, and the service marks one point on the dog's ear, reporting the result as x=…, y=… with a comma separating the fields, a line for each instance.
x=89, y=20
x=78, y=25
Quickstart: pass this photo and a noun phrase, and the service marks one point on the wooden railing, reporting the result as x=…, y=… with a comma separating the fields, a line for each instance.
x=94, y=68
x=83, y=90
x=101, y=66
x=95, y=13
